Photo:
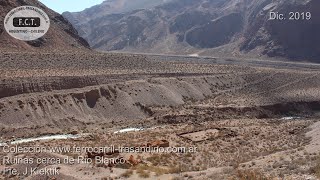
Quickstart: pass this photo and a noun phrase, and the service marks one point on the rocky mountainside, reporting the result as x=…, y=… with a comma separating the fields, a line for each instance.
x=205, y=27
x=296, y=39
x=60, y=37
x=83, y=21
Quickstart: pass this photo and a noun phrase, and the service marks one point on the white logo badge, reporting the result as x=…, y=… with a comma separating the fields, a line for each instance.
x=27, y=23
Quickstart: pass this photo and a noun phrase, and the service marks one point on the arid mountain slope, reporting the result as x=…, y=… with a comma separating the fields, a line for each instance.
x=207, y=27
x=295, y=38
x=110, y=7
x=93, y=16
x=60, y=37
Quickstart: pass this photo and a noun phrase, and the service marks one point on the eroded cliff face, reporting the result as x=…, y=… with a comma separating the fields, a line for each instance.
x=126, y=102
x=118, y=102
x=16, y=86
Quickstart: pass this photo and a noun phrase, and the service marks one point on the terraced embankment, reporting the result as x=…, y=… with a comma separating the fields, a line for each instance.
x=264, y=93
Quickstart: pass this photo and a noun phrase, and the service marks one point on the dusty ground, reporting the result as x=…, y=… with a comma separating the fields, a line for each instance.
x=268, y=148
x=257, y=122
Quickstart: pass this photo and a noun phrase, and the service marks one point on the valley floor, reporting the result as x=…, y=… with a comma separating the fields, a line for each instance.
x=241, y=121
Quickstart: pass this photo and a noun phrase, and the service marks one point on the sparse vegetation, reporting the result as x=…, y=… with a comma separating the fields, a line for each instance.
x=127, y=174
x=251, y=175
x=316, y=168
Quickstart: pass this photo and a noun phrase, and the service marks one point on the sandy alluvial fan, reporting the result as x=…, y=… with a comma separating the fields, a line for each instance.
x=247, y=119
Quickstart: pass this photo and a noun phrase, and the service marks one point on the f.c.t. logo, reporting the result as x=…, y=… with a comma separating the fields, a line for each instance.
x=27, y=23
